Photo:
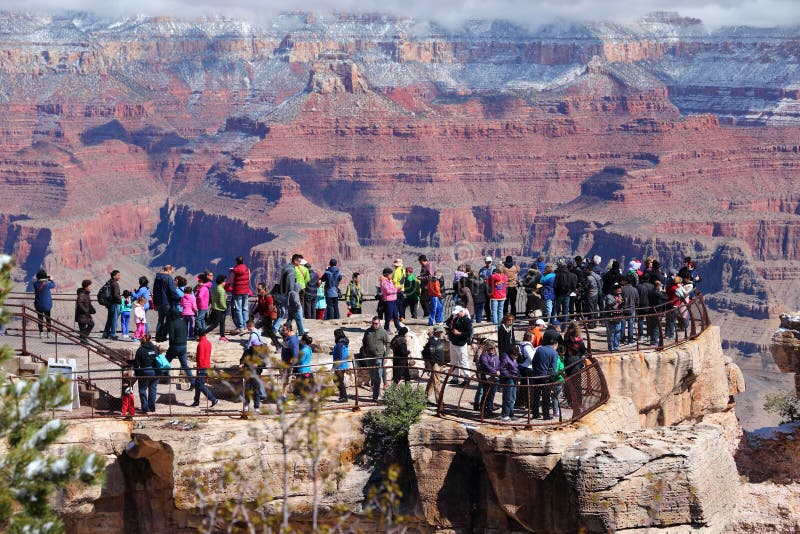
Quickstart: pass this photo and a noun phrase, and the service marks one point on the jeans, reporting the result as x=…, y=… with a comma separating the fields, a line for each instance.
x=654, y=330
x=392, y=314
x=541, y=398
x=484, y=396
x=669, y=330
x=239, y=310
x=614, y=332
x=376, y=374
x=556, y=392
x=562, y=307
x=497, y=311
x=628, y=324
x=125, y=322
x=436, y=311
x=189, y=320
x=509, y=395
x=179, y=352
x=479, y=311
x=332, y=309
x=200, y=320
x=549, y=305
x=110, y=330
x=297, y=316
x=148, y=388
x=200, y=386
x=592, y=307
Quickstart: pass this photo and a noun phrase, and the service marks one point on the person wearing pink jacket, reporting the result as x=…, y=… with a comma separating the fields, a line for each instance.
x=189, y=309
x=202, y=293
x=389, y=297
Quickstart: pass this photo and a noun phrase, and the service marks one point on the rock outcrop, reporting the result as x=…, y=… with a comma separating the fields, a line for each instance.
x=785, y=347
x=676, y=478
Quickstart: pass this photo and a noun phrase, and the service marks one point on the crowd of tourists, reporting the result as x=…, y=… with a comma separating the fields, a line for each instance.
x=628, y=302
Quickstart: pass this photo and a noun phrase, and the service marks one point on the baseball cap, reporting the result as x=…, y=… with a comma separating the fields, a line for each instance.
x=438, y=328
x=303, y=262
x=540, y=322
x=488, y=259
x=457, y=310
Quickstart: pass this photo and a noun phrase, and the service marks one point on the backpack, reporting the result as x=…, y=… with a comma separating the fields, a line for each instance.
x=105, y=295
x=562, y=286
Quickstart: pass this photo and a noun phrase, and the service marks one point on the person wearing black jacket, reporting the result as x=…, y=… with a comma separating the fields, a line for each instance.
x=506, y=340
x=658, y=302
x=459, y=333
x=110, y=330
x=565, y=288
x=400, y=352
x=146, y=371
x=84, y=309
x=645, y=289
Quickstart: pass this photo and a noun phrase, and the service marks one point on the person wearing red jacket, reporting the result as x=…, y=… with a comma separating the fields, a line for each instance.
x=497, y=293
x=239, y=286
x=203, y=364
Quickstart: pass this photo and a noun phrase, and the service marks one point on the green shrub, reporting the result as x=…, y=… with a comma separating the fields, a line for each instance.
x=387, y=429
x=786, y=405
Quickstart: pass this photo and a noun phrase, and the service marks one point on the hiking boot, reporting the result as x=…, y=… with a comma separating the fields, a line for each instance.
x=214, y=403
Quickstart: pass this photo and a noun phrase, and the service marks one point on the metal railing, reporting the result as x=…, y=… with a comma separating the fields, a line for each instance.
x=574, y=396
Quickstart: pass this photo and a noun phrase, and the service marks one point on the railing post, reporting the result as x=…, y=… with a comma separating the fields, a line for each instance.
x=440, y=403
x=356, y=408
x=24, y=331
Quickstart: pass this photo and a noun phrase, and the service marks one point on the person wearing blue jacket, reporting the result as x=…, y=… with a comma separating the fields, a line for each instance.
x=43, y=299
x=341, y=353
x=143, y=291
x=548, y=281
x=332, y=279
x=545, y=366
x=304, y=379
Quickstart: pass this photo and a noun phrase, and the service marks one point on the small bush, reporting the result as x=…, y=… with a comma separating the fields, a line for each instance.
x=786, y=405
x=388, y=428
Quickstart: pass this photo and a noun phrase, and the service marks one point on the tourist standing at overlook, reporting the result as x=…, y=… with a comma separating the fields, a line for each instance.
x=511, y=270
x=389, y=298
x=165, y=297
x=353, y=295
x=411, y=292
x=374, y=347
x=302, y=275
x=545, y=364
x=509, y=372
x=630, y=302
x=287, y=282
x=239, y=282
x=43, y=299
x=433, y=289
x=613, y=312
x=84, y=309
x=400, y=352
x=425, y=276
x=219, y=305
x=433, y=355
x=340, y=355
x=202, y=292
x=143, y=291
x=506, y=338
x=564, y=286
x=459, y=333
x=178, y=334
x=332, y=278
x=310, y=293
x=203, y=365
x=399, y=280
x=146, y=373
x=548, y=280
x=497, y=284
x=591, y=293
x=112, y=305
x=488, y=374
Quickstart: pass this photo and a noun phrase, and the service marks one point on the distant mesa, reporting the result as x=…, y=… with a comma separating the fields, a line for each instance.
x=335, y=73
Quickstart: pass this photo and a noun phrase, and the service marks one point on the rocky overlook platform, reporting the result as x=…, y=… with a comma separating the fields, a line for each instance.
x=665, y=452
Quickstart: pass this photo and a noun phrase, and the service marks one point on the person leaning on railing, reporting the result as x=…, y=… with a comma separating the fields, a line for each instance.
x=434, y=357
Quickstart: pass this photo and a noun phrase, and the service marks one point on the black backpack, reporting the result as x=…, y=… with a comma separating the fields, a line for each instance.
x=562, y=285
x=105, y=295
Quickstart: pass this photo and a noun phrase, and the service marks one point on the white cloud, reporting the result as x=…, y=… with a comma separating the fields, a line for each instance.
x=529, y=12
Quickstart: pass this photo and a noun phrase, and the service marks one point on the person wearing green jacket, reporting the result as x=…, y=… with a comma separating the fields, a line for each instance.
x=559, y=381
x=411, y=292
x=219, y=306
x=353, y=295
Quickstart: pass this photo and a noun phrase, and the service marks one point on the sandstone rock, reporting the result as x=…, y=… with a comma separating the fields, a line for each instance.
x=525, y=467
x=679, y=478
x=767, y=508
x=672, y=385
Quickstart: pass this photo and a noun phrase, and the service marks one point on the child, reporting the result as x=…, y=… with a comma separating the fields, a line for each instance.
x=128, y=410
x=340, y=356
x=125, y=314
x=202, y=293
x=321, y=304
x=304, y=379
x=140, y=318
x=434, y=289
x=189, y=309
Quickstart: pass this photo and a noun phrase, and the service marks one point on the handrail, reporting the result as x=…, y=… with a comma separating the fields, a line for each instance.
x=585, y=391
x=91, y=345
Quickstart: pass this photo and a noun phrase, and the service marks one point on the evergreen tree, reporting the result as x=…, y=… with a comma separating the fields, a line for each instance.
x=28, y=475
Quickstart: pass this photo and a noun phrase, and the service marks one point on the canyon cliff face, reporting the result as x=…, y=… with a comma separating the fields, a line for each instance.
x=131, y=143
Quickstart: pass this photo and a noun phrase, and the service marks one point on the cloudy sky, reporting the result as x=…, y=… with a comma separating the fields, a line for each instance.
x=714, y=13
